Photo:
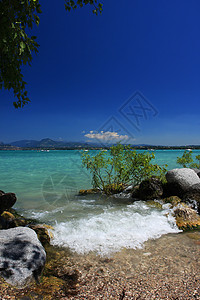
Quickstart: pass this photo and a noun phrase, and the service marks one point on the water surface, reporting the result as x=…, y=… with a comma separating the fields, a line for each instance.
x=47, y=185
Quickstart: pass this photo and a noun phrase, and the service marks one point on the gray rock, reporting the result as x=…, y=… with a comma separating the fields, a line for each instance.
x=181, y=180
x=197, y=171
x=22, y=256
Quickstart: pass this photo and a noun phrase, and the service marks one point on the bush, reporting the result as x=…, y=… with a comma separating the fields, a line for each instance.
x=112, y=171
x=186, y=160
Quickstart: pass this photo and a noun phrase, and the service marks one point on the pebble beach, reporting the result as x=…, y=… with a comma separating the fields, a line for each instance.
x=165, y=268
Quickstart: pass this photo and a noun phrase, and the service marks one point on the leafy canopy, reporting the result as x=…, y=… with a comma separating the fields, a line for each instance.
x=17, y=18
x=186, y=160
x=113, y=170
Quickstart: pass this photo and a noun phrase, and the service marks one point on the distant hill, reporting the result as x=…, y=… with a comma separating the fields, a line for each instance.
x=24, y=143
x=7, y=147
x=48, y=143
x=51, y=144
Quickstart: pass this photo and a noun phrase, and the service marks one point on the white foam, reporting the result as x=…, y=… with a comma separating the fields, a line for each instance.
x=113, y=230
x=41, y=215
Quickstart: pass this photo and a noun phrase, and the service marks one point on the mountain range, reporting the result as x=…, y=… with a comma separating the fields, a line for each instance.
x=51, y=144
x=45, y=143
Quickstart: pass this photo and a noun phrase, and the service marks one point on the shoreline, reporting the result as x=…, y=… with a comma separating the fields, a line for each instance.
x=165, y=268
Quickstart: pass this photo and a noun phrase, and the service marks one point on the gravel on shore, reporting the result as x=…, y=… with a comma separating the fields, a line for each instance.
x=165, y=268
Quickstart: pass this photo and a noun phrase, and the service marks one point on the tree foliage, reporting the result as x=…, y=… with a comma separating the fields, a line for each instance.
x=17, y=18
x=97, y=7
x=186, y=160
x=113, y=170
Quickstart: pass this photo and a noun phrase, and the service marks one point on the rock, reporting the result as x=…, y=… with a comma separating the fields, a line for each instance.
x=154, y=204
x=114, y=188
x=135, y=192
x=7, y=200
x=181, y=180
x=89, y=192
x=193, y=196
x=7, y=220
x=10, y=219
x=22, y=256
x=129, y=189
x=150, y=189
x=173, y=200
x=197, y=171
x=122, y=195
x=42, y=233
x=186, y=217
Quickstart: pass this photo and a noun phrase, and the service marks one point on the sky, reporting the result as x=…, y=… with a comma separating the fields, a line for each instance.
x=132, y=74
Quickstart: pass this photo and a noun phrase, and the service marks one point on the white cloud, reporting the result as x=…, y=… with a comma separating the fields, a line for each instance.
x=106, y=136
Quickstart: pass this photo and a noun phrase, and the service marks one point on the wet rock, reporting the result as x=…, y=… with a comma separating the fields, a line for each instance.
x=22, y=256
x=179, y=181
x=150, y=189
x=7, y=220
x=193, y=197
x=42, y=233
x=129, y=189
x=154, y=204
x=122, y=195
x=173, y=200
x=10, y=219
x=135, y=192
x=7, y=200
x=186, y=217
x=115, y=188
x=89, y=192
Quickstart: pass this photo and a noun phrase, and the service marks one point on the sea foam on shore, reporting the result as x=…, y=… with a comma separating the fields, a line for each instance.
x=114, y=229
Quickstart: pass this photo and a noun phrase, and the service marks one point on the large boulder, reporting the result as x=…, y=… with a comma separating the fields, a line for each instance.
x=197, y=171
x=22, y=256
x=179, y=181
x=150, y=189
x=7, y=200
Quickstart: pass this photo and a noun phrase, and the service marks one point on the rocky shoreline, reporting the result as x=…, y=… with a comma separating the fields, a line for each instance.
x=70, y=276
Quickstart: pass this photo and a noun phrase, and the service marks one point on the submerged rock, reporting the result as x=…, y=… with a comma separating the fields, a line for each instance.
x=22, y=256
x=7, y=200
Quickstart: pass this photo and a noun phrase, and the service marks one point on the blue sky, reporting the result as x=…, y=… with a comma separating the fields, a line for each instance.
x=90, y=67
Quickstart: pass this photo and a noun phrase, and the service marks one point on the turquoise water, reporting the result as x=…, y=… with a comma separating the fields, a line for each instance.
x=47, y=184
